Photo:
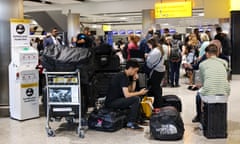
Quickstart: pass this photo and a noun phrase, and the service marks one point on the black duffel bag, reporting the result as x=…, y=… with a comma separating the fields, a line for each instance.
x=107, y=120
x=167, y=124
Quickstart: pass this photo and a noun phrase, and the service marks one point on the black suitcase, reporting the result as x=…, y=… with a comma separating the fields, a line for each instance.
x=108, y=120
x=167, y=124
x=101, y=83
x=214, y=120
x=172, y=100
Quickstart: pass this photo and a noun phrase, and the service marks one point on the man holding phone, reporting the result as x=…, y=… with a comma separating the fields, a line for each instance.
x=122, y=94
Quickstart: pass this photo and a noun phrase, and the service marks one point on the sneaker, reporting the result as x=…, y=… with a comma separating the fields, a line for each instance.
x=196, y=119
x=134, y=126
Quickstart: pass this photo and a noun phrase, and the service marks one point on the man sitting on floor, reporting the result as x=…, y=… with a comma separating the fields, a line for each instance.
x=122, y=94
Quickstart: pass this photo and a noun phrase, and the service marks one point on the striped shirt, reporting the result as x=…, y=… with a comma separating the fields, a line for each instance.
x=213, y=73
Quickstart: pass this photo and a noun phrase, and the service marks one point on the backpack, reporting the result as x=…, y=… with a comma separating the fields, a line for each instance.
x=175, y=53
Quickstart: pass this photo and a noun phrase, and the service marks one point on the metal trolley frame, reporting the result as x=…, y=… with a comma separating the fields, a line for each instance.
x=63, y=95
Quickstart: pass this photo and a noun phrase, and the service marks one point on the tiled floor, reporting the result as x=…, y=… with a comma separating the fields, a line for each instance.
x=33, y=131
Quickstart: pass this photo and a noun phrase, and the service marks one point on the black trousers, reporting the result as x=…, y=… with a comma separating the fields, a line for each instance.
x=131, y=103
x=156, y=89
x=198, y=105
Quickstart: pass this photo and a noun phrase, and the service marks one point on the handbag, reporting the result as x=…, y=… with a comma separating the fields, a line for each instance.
x=147, y=106
x=148, y=70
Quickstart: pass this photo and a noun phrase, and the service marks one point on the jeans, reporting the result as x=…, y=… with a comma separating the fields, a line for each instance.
x=174, y=72
x=125, y=103
x=156, y=89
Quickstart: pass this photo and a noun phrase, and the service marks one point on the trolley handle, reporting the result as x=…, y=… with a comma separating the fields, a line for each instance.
x=73, y=72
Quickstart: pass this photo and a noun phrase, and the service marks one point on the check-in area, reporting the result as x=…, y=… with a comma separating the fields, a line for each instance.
x=119, y=71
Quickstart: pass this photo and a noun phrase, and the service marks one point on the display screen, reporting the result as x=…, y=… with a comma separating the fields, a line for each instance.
x=115, y=32
x=63, y=94
x=130, y=32
x=138, y=32
x=122, y=32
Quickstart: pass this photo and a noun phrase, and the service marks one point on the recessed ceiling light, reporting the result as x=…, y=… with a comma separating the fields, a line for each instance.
x=123, y=18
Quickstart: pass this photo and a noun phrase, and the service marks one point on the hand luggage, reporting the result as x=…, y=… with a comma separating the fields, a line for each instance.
x=147, y=106
x=108, y=120
x=167, y=124
x=172, y=100
x=214, y=120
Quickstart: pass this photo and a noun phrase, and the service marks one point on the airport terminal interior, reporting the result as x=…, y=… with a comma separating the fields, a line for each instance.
x=33, y=131
x=23, y=117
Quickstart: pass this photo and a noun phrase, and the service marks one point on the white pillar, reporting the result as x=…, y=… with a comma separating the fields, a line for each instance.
x=148, y=19
x=8, y=9
x=73, y=25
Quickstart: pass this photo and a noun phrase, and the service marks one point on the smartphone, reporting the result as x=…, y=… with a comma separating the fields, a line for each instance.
x=149, y=87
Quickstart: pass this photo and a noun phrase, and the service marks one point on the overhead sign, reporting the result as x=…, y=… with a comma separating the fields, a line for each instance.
x=20, y=32
x=234, y=5
x=173, y=9
x=217, y=8
x=107, y=28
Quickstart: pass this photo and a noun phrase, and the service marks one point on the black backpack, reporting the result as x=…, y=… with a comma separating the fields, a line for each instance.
x=167, y=124
x=175, y=53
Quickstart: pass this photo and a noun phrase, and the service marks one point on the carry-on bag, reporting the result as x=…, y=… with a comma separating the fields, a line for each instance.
x=167, y=124
x=214, y=120
x=108, y=120
x=172, y=100
x=147, y=106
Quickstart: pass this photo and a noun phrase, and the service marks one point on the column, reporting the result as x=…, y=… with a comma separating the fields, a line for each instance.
x=148, y=20
x=73, y=25
x=235, y=37
x=8, y=9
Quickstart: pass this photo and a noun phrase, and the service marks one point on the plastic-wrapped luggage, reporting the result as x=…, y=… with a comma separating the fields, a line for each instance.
x=63, y=59
x=60, y=58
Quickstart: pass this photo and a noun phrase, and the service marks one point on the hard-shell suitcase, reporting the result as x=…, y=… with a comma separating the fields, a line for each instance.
x=214, y=120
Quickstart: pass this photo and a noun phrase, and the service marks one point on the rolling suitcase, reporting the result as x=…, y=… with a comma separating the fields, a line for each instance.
x=214, y=120
x=172, y=100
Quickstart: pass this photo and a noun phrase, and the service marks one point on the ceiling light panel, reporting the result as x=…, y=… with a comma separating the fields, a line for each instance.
x=65, y=1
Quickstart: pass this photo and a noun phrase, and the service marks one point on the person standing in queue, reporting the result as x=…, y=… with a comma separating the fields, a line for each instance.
x=84, y=39
x=155, y=60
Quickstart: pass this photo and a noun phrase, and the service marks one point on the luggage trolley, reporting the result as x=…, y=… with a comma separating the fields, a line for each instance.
x=63, y=98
